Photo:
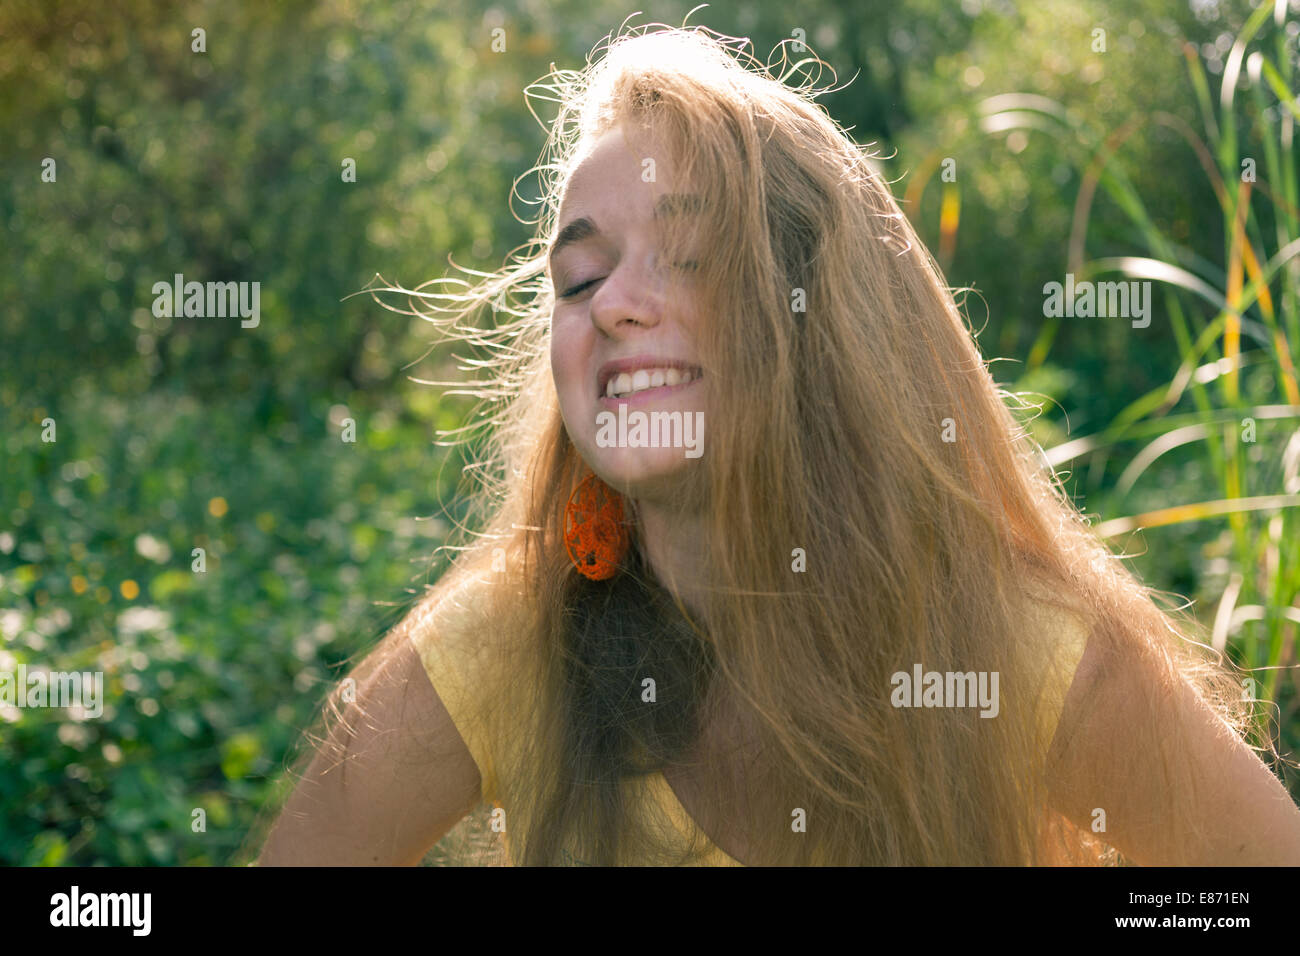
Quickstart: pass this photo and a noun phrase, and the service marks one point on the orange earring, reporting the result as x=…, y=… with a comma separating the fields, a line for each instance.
x=595, y=529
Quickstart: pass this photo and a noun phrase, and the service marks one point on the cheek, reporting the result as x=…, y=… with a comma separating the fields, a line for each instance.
x=570, y=351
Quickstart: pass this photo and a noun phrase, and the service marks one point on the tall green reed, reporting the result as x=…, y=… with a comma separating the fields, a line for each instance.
x=1234, y=398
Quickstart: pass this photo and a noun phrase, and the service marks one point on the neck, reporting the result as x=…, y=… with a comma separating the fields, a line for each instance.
x=671, y=543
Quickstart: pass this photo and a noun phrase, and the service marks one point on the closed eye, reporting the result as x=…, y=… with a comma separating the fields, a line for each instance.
x=574, y=290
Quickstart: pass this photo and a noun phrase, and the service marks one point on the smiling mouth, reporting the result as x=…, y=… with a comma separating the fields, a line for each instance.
x=627, y=384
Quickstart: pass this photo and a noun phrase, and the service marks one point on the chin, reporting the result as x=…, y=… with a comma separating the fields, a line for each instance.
x=650, y=473
x=649, y=446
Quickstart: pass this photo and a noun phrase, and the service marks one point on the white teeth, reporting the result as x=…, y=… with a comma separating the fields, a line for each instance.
x=643, y=378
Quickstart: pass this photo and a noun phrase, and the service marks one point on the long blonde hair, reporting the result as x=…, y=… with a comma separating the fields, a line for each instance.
x=878, y=444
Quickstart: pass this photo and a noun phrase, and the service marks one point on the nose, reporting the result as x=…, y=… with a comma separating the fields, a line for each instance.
x=632, y=296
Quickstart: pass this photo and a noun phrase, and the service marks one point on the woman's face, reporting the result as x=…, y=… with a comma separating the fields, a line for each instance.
x=622, y=332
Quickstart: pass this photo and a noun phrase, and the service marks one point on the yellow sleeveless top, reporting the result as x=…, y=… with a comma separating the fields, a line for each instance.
x=457, y=650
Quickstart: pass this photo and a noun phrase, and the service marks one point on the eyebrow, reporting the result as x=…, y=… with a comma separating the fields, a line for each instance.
x=670, y=204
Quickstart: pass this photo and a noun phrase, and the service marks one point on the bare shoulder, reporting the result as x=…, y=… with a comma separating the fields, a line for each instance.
x=1143, y=753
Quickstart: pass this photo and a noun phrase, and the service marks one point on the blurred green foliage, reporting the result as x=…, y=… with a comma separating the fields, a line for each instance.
x=176, y=434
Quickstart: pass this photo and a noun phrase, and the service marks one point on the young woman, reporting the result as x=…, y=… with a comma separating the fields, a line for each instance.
x=769, y=573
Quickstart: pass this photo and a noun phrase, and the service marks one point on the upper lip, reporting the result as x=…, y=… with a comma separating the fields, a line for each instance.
x=617, y=367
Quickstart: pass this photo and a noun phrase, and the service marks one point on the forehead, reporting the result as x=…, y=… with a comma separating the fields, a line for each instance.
x=617, y=173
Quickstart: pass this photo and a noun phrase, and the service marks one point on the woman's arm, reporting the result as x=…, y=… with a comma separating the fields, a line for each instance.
x=392, y=778
x=1239, y=813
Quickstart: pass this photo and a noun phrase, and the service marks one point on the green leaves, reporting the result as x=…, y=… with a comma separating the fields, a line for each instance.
x=239, y=754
